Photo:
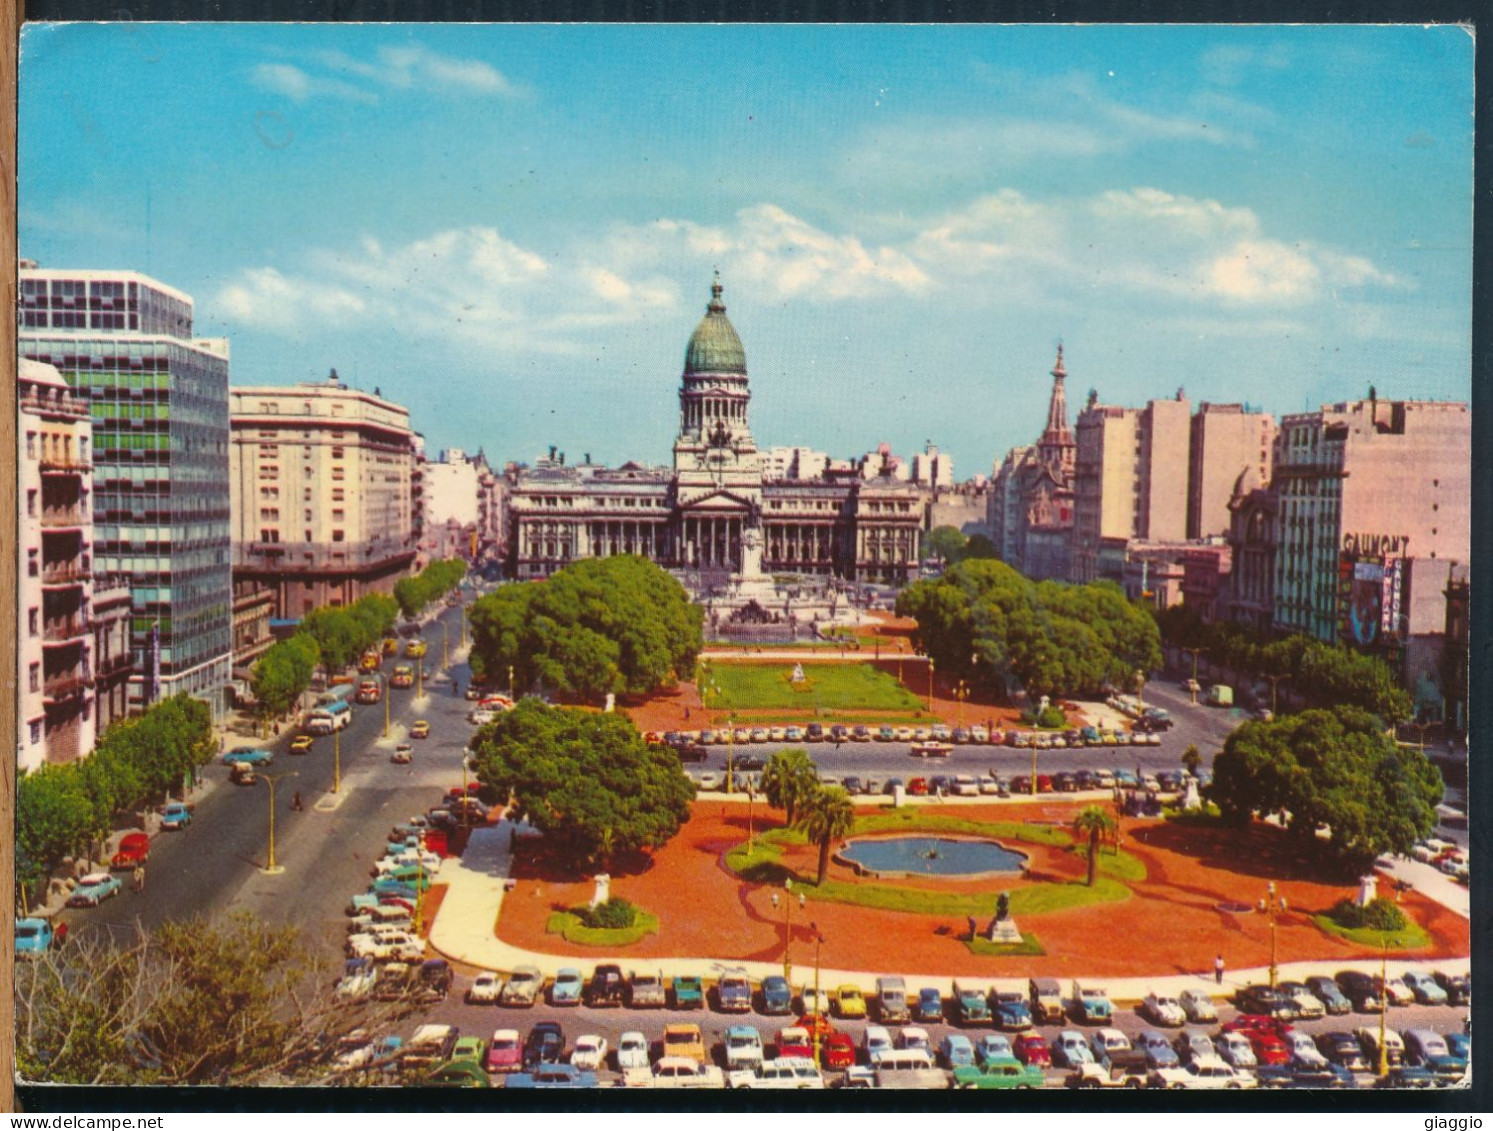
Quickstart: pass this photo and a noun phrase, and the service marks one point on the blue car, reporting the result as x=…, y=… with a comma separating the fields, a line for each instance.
x=929, y=1006
x=388, y=885
x=1010, y=1010
x=94, y=888
x=956, y=1051
x=568, y=987
x=33, y=936
x=777, y=995
x=992, y=1047
x=1159, y=1052
x=175, y=817
x=552, y=1076
x=255, y=758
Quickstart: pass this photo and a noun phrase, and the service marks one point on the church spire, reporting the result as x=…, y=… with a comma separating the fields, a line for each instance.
x=1057, y=408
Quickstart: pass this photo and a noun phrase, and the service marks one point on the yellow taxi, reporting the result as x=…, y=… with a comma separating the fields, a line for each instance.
x=391, y=646
x=850, y=1002
x=414, y=649
x=301, y=744
x=420, y=729
x=684, y=1039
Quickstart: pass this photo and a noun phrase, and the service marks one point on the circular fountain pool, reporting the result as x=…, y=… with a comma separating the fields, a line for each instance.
x=931, y=856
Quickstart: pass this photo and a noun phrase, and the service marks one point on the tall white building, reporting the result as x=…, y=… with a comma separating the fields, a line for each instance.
x=158, y=399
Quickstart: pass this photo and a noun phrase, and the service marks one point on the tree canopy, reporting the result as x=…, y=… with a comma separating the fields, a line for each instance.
x=430, y=584
x=1323, y=675
x=1329, y=769
x=61, y=809
x=284, y=672
x=618, y=624
x=825, y=815
x=788, y=778
x=588, y=781
x=985, y=622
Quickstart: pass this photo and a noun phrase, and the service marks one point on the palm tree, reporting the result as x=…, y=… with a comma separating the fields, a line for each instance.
x=788, y=778
x=1094, y=823
x=825, y=816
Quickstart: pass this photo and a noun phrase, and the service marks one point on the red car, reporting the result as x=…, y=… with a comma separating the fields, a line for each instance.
x=652, y=738
x=918, y=787
x=1031, y=1048
x=794, y=1042
x=838, y=1050
x=1269, y=1049
x=1251, y=1023
x=1044, y=783
x=816, y=1021
x=133, y=849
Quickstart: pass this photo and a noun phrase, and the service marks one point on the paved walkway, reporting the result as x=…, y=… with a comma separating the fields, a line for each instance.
x=464, y=928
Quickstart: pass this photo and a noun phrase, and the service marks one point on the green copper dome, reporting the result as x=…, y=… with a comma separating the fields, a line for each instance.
x=714, y=346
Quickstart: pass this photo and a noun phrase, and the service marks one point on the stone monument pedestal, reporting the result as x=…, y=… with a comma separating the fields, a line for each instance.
x=1004, y=931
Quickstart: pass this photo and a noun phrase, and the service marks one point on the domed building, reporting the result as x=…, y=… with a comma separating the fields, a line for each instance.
x=716, y=514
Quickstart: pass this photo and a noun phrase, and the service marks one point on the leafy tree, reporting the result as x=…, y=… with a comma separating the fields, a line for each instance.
x=433, y=582
x=54, y=818
x=985, y=622
x=284, y=672
x=979, y=547
x=203, y=1002
x=947, y=543
x=339, y=638
x=1094, y=823
x=620, y=625
x=825, y=816
x=789, y=776
x=1335, y=770
x=586, y=780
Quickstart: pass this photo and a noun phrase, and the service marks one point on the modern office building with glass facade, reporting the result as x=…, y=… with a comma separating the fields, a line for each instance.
x=158, y=399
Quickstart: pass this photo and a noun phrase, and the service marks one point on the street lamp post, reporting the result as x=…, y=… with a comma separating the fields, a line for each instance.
x=818, y=941
x=420, y=677
x=510, y=683
x=271, y=868
x=337, y=759
x=930, y=685
x=1193, y=689
x=388, y=694
x=1274, y=680
x=1383, y=1005
x=1272, y=905
x=787, y=902
x=419, y=888
x=445, y=651
x=751, y=827
x=961, y=693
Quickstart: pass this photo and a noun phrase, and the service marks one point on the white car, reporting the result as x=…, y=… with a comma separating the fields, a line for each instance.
x=1306, y=1004
x=1197, y=1006
x=979, y=735
x=1398, y=992
x=816, y=1001
x=685, y=1072
x=485, y=989
x=589, y=1052
x=354, y=1050
x=632, y=1051
x=912, y=1037
x=429, y=861
x=966, y=785
x=1206, y=1072
x=403, y=754
x=1303, y=1049
x=785, y=1073
x=777, y=734
x=1235, y=1050
x=398, y=947
x=358, y=981
x=709, y=780
x=1165, y=1010
x=875, y=1042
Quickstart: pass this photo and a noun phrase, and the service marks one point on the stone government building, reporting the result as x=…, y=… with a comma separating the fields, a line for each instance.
x=695, y=516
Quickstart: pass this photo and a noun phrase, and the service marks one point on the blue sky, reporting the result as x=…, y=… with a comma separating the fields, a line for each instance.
x=512, y=229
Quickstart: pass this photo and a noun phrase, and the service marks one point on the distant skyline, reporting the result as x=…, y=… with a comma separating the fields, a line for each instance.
x=512, y=229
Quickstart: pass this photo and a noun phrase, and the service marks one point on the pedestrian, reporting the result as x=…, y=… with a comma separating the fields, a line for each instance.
x=295, y=802
x=1218, y=970
x=59, y=936
x=974, y=928
x=137, y=879
x=686, y=714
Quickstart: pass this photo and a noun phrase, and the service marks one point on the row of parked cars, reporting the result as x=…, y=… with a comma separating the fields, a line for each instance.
x=745, y=771
x=1143, y=735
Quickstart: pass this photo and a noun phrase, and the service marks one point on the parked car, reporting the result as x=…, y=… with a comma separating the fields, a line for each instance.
x=632, y=1051
x=1360, y=989
x=1342, y=1048
x=1164, y=1009
x=782, y=1073
x=1326, y=990
x=134, y=848
x=999, y=1074
x=1191, y=1045
x=742, y=1048
x=684, y=1039
x=1264, y=1001
x=837, y=1051
x=876, y=1041
x=1429, y=1049
x=567, y=987
x=1158, y=1051
x=175, y=817
x=1070, y=1049
x=505, y=1052
x=1407, y=1076
x=1368, y=1040
x=1424, y=987
x=607, y=986
x=1010, y=1011
x=1091, y=1004
x=1046, y=998
x=970, y=1004
x=733, y=994
x=485, y=988
x=1235, y=1050
x=1304, y=1004
x=589, y=1053
x=777, y=995
x=545, y=1044
x=1197, y=1006
x=1203, y=1073
x=1032, y=1048
x=552, y=1076
x=33, y=937
x=956, y=1051
x=522, y=988
x=993, y=1046
x=645, y=990
x=929, y=1006
x=94, y=888
x=1457, y=986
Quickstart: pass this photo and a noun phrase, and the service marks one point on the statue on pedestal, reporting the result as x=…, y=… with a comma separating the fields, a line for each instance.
x=603, y=892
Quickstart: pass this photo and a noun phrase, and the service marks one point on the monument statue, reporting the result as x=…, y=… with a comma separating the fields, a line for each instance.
x=751, y=553
x=603, y=892
x=1002, y=907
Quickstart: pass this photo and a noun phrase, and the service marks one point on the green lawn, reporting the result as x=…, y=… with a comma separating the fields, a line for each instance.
x=1409, y=937
x=763, y=864
x=828, y=687
x=1029, y=944
x=568, y=926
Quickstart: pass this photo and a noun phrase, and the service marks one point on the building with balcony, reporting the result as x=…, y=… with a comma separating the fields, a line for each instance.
x=55, y=654
x=113, y=658
x=321, y=497
x=158, y=398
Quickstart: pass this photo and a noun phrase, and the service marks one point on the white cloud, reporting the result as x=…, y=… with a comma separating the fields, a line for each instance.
x=265, y=297
x=416, y=67
x=297, y=85
x=1263, y=270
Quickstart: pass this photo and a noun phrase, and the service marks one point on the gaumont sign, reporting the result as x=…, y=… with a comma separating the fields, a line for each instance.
x=1375, y=545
